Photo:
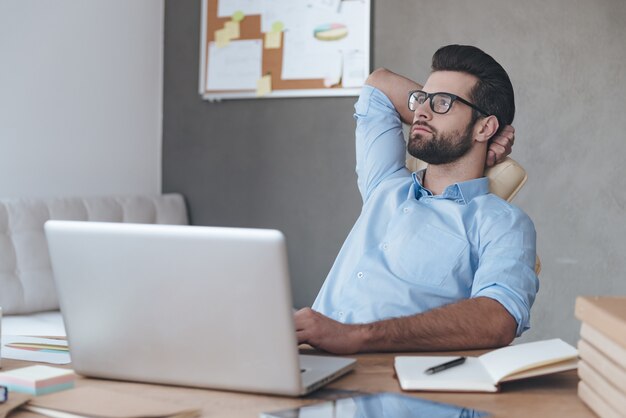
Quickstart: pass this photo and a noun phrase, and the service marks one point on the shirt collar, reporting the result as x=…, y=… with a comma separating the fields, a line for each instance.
x=462, y=192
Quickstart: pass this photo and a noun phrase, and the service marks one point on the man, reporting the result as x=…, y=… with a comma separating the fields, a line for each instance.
x=434, y=261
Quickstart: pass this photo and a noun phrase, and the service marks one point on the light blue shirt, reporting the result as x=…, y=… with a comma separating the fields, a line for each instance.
x=411, y=251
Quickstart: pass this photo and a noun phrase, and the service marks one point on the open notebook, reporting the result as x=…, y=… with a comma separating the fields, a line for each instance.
x=486, y=372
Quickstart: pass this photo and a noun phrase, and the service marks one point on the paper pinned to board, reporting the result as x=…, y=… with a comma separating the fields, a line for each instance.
x=288, y=12
x=308, y=57
x=353, y=73
x=42, y=350
x=236, y=66
x=247, y=7
x=302, y=61
x=333, y=76
x=328, y=5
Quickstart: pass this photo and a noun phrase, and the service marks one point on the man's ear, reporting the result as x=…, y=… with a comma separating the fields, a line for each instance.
x=485, y=128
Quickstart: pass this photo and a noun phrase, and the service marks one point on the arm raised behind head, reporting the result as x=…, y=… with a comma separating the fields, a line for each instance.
x=396, y=88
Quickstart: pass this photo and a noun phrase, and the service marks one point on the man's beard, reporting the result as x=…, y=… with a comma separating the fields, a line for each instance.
x=441, y=148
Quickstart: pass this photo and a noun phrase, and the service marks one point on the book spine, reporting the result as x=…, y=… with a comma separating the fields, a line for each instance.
x=604, y=344
x=605, y=390
x=595, y=402
x=590, y=310
x=612, y=372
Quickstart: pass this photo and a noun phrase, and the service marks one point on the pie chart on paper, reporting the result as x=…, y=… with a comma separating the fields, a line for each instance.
x=330, y=32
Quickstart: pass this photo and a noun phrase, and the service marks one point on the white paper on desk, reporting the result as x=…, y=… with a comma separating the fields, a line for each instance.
x=236, y=66
x=30, y=355
x=226, y=8
x=305, y=57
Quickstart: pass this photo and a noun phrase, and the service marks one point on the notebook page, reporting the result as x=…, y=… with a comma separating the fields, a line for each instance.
x=469, y=376
x=515, y=358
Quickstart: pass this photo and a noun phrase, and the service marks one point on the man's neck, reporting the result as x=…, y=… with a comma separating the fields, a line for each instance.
x=469, y=167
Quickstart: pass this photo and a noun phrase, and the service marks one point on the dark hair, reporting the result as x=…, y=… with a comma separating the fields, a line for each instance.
x=493, y=92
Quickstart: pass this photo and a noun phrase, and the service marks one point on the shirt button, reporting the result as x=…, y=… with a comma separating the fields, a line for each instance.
x=406, y=210
x=341, y=314
x=385, y=246
x=360, y=275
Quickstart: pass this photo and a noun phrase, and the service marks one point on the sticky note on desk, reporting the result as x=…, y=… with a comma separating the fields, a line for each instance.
x=38, y=380
x=273, y=40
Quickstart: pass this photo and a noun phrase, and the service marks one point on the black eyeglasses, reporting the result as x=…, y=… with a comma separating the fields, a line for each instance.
x=440, y=102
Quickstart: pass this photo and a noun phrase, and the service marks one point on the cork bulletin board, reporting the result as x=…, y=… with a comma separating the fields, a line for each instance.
x=283, y=48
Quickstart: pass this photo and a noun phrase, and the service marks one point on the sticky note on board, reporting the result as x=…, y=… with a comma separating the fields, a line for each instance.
x=222, y=38
x=273, y=40
x=238, y=16
x=232, y=29
x=278, y=26
x=264, y=85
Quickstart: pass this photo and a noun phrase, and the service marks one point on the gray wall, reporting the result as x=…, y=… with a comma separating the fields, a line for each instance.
x=288, y=163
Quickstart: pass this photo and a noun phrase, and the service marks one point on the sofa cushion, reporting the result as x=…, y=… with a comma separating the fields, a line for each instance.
x=26, y=283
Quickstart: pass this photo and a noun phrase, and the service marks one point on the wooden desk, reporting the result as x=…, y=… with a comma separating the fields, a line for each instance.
x=546, y=396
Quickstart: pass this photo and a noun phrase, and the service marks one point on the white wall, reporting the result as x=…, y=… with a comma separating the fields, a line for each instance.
x=80, y=97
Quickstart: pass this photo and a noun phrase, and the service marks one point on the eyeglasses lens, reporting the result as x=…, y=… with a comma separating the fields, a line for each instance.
x=416, y=99
x=439, y=103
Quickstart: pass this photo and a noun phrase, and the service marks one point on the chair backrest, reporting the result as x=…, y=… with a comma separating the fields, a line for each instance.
x=505, y=180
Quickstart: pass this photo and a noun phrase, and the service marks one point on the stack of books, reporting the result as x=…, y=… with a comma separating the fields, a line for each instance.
x=602, y=351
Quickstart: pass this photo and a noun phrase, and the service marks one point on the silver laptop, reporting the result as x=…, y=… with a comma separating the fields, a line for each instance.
x=182, y=305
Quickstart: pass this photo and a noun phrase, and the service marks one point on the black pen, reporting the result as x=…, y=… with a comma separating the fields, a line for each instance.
x=445, y=366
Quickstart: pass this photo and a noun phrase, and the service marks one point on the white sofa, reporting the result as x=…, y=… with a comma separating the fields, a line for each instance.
x=27, y=294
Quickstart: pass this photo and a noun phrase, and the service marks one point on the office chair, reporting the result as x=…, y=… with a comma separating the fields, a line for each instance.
x=505, y=180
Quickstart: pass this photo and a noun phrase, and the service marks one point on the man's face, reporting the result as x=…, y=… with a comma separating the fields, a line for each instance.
x=443, y=138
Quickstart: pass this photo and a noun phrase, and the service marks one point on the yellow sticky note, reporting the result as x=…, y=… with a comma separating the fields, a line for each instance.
x=278, y=26
x=232, y=28
x=222, y=38
x=264, y=85
x=238, y=16
x=272, y=40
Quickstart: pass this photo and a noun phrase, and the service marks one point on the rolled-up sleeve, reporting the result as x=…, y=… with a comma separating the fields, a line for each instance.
x=380, y=146
x=506, y=269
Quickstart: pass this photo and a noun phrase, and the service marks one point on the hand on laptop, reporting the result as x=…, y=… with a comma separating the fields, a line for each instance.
x=326, y=334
